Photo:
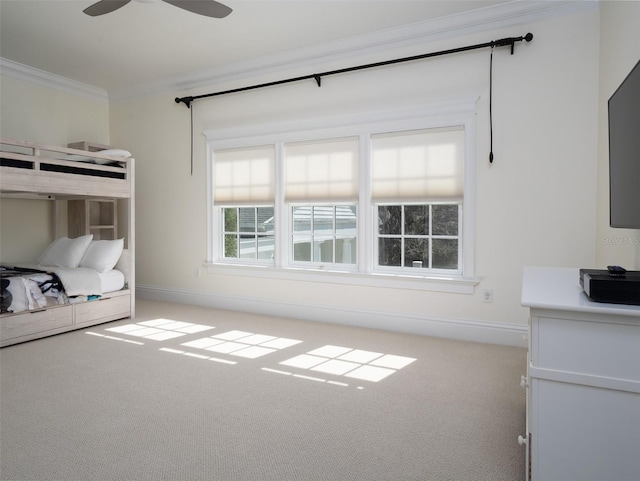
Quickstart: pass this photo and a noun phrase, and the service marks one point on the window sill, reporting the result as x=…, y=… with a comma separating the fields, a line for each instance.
x=456, y=285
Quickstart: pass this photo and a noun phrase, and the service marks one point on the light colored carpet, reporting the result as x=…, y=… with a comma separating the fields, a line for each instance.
x=106, y=403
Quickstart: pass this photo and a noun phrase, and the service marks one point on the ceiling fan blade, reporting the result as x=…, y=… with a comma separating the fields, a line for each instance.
x=104, y=6
x=208, y=8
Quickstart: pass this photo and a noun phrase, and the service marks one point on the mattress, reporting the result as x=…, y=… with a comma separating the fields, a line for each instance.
x=112, y=280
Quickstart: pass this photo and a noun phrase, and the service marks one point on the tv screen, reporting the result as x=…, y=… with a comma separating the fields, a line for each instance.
x=624, y=153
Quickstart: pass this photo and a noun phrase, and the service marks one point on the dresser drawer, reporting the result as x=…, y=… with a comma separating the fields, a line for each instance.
x=103, y=310
x=609, y=349
x=27, y=323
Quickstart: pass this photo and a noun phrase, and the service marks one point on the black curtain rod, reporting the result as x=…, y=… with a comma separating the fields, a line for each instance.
x=503, y=42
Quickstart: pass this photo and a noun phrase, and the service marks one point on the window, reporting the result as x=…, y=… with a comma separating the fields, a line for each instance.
x=324, y=234
x=248, y=233
x=390, y=198
x=422, y=171
x=322, y=171
x=419, y=236
x=241, y=177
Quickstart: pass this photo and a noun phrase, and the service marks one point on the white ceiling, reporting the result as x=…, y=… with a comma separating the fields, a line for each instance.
x=149, y=40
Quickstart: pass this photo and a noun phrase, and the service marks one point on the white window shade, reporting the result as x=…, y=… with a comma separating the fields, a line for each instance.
x=421, y=164
x=322, y=171
x=244, y=176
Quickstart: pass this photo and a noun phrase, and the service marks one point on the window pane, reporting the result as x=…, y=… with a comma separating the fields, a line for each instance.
x=266, y=220
x=389, y=252
x=390, y=219
x=445, y=253
x=416, y=220
x=302, y=219
x=346, y=251
x=230, y=219
x=266, y=247
x=346, y=218
x=248, y=246
x=445, y=219
x=323, y=250
x=323, y=218
x=247, y=219
x=302, y=249
x=416, y=253
x=230, y=245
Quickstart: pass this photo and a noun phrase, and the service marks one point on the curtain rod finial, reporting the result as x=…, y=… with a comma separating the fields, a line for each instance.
x=185, y=100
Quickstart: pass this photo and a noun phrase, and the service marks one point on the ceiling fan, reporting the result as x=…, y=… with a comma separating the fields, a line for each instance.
x=208, y=8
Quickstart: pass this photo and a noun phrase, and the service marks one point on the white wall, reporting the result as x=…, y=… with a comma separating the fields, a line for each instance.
x=619, y=52
x=543, y=202
x=33, y=112
x=535, y=205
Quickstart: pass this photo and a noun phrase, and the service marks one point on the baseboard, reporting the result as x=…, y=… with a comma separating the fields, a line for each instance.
x=466, y=330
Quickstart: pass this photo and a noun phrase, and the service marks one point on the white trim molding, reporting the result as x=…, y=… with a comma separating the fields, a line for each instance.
x=17, y=70
x=451, y=285
x=505, y=15
x=459, y=329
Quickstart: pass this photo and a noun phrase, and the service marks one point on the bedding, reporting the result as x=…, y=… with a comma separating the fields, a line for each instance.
x=102, y=255
x=65, y=252
x=68, y=271
x=125, y=154
x=27, y=289
x=112, y=281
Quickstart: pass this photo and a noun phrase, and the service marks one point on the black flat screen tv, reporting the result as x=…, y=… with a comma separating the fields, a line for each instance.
x=624, y=153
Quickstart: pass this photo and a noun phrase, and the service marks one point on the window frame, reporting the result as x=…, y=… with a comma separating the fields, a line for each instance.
x=459, y=112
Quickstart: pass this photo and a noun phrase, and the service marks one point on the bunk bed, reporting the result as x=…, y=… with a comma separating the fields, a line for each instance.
x=74, y=178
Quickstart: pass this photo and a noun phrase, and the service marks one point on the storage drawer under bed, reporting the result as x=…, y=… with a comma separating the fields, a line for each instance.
x=102, y=310
x=33, y=322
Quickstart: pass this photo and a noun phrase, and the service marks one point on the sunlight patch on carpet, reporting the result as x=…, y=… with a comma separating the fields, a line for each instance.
x=159, y=329
x=242, y=344
x=114, y=338
x=196, y=356
x=349, y=362
x=308, y=378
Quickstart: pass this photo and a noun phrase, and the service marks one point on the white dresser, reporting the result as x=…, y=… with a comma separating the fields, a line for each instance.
x=583, y=382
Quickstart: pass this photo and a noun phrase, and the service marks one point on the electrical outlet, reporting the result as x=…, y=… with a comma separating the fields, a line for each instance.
x=487, y=295
x=196, y=272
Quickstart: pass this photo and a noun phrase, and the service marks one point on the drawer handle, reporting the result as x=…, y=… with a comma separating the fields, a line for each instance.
x=522, y=440
x=523, y=381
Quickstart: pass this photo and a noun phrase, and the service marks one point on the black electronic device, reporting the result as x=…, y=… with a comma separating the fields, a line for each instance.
x=614, y=285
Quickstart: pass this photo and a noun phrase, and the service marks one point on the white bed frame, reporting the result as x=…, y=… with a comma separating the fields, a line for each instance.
x=33, y=175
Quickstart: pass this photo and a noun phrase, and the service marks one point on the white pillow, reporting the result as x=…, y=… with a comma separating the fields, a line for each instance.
x=102, y=255
x=116, y=152
x=65, y=252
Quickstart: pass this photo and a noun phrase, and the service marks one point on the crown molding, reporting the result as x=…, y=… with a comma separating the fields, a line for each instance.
x=9, y=68
x=505, y=15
